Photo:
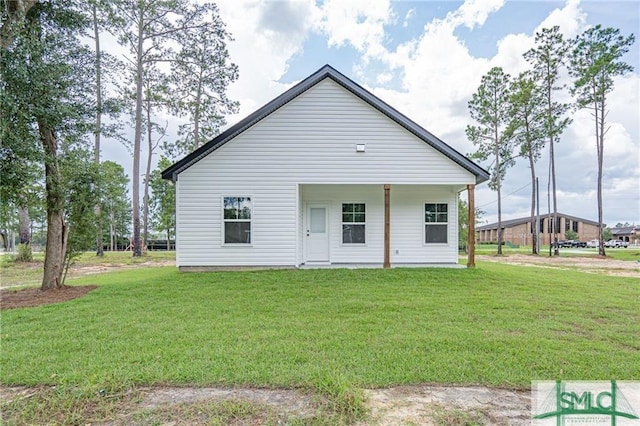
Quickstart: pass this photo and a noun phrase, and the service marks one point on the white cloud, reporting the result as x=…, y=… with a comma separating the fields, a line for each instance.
x=474, y=13
x=571, y=19
x=359, y=23
x=384, y=77
x=267, y=35
x=410, y=14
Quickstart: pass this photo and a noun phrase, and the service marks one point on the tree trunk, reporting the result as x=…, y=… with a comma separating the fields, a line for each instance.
x=168, y=239
x=96, y=153
x=145, y=199
x=600, y=142
x=137, y=247
x=15, y=10
x=534, y=237
x=196, y=115
x=56, y=230
x=552, y=168
x=556, y=248
x=5, y=240
x=111, y=230
x=24, y=231
x=498, y=185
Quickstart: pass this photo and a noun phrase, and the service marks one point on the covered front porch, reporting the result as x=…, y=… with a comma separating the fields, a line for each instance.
x=379, y=225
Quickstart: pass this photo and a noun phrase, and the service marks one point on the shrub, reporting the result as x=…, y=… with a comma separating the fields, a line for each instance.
x=24, y=253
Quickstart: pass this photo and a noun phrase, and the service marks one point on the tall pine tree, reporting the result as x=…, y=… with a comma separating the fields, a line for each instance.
x=595, y=61
x=489, y=107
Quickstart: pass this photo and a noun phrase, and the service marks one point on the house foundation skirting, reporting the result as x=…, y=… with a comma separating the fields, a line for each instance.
x=317, y=266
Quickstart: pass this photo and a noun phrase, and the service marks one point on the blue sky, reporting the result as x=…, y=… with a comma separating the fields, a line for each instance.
x=426, y=59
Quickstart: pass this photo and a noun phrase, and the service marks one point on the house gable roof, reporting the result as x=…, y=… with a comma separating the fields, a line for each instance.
x=326, y=71
x=523, y=220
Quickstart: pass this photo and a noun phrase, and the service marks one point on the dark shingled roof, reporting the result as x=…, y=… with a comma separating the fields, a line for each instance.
x=325, y=72
x=520, y=221
x=625, y=230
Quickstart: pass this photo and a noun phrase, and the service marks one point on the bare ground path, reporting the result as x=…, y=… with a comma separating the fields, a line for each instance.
x=591, y=264
x=402, y=405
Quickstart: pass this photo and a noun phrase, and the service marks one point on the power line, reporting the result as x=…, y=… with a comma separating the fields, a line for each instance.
x=505, y=196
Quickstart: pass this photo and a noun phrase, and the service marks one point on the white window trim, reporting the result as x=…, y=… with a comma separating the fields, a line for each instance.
x=223, y=220
x=425, y=223
x=365, y=223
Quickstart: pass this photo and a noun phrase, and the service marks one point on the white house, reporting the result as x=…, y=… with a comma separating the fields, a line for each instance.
x=324, y=174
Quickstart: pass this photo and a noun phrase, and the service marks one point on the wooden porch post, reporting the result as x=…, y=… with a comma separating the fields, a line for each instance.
x=387, y=221
x=471, y=237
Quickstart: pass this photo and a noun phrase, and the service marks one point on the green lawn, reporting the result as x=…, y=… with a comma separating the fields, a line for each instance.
x=497, y=325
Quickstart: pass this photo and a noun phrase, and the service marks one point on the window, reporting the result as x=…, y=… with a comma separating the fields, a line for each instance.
x=574, y=225
x=436, y=223
x=353, y=223
x=567, y=224
x=237, y=220
x=550, y=226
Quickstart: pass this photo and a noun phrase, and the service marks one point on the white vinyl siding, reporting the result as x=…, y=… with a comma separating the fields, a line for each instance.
x=407, y=225
x=310, y=140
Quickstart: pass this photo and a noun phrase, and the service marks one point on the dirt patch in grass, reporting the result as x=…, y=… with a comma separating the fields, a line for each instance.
x=591, y=264
x=30, y=297
x=448, y=405
x=401, y=405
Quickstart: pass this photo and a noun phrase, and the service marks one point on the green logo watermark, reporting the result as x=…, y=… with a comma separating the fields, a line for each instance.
x=585, y=403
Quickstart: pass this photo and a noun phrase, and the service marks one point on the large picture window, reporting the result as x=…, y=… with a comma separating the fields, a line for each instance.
x=237, y=220
x=436, y=223
x=353, y=223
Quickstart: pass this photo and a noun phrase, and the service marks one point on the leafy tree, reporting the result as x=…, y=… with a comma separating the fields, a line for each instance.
x=148, y=28
x=201, y=73
x=45, y=90
x=8, y=222
x=570, y=234
x=595, y=61
x=80, y=180
x=606, y=236
x=13, y=14
x=108, y=72
x=163, y=202
x=489, y=107
x=463, y=223
x=526, y=127
x=156, y=96
x=548, y=58
x=115, y=201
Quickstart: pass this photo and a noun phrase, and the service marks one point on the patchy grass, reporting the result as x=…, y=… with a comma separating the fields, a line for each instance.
x=67, y=405
x=443, y=416
x=30, y=274
x=90, y=405
x=629, y=254
x=497, y=325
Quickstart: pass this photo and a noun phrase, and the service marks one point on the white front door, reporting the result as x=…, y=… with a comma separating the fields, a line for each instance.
x=317, y=233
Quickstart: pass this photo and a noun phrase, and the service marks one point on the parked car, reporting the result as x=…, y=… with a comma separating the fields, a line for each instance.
x=616, y=244
x=593, y=244
x=578, y=243
x=564, y=243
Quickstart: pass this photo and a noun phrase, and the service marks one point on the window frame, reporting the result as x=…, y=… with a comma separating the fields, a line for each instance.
x=425, y=223
x=343, y=223
x=224, y=220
